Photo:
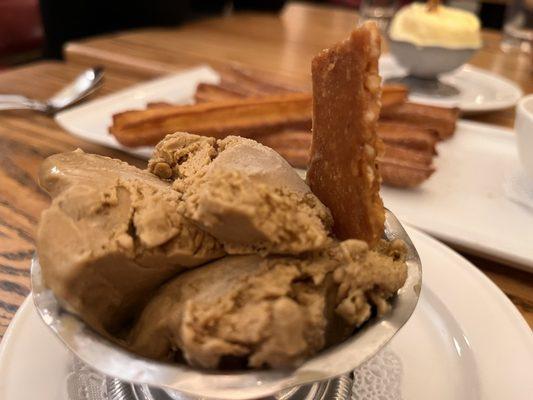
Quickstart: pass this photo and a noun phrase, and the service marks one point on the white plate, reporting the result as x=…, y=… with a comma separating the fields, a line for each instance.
x=464, y=202
x=465, y=341
x=90, y=121
x=480, y=90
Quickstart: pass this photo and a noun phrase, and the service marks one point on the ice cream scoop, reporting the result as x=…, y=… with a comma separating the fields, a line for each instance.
x=111, y=236
x=269, y=312
x=243, y=193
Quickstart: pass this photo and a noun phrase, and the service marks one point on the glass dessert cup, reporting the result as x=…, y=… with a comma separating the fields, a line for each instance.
x=109, y=359
x=424, y=64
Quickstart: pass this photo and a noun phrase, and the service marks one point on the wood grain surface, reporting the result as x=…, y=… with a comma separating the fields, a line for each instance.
x=26, y=139
x=271, y=45
x=281, y=46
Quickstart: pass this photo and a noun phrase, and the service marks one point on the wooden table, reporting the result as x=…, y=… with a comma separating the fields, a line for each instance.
x=278, y=46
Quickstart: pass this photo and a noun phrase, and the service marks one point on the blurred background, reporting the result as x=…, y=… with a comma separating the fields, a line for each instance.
x=33, y=29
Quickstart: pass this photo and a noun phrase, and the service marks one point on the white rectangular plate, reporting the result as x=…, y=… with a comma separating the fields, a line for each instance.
x=90, y=121
x=463, y=203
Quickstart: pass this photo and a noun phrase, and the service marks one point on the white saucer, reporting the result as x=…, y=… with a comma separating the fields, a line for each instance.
x=480, y=90
x=465, y=341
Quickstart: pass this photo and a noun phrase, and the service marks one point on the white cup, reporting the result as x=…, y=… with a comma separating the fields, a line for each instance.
x=524, y=132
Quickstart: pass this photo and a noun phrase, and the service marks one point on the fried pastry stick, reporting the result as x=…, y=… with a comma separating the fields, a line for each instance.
x=222, y=110
x=402, y=173
x=391, y=95
x=288, y=138
x=400, y=135
x=346, y=105
x=408, y=136
x=244, y=117
x=399, y=166
x=403, y=154
x=394, y=171
x=403, y=167
x=208, y=92
x=440, y=119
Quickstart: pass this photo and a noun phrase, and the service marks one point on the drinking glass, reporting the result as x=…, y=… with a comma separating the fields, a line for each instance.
x=518, y=26
x=380, y=11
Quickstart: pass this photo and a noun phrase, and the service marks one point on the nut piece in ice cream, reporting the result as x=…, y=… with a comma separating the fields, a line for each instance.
x=274, y=311
x=111, y=236
x=243, y=193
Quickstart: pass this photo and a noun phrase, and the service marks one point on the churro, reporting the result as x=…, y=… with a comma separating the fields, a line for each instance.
x=440, y=119
x=403, y=173
x=206, y=92
x=408, y=136
x=391, y=95
x=244, y=117
x=398, y=166
x=404, y=154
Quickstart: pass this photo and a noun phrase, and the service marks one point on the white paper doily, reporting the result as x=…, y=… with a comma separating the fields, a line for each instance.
x=378, y=379
x=83, y=383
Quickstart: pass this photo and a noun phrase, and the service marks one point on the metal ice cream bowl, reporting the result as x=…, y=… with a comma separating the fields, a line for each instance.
x=116, y=362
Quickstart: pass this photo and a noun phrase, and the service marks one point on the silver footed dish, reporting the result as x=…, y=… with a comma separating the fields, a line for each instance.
x=109, y=359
